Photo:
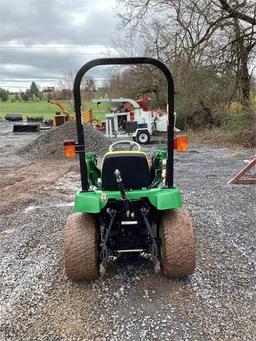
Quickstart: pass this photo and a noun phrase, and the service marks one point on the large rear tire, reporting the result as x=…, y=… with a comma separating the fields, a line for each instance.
x=178, y=250
x=81, y=250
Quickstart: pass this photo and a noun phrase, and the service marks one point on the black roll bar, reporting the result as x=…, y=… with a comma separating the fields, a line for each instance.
x=78, y=110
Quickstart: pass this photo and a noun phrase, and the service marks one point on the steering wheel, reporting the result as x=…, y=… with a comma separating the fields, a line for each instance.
x=131, y=143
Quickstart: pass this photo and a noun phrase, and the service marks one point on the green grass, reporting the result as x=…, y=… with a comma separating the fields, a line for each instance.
x=45, y=109
x=239, y=155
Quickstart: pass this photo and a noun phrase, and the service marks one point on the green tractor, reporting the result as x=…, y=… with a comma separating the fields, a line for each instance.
x=129, y=206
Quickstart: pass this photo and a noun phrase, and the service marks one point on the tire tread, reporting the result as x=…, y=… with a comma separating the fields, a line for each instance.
x=81, y=247
x=179, y=246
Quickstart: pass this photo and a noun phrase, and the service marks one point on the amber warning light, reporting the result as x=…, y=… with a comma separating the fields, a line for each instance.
x=69, y=148
x=180, y=143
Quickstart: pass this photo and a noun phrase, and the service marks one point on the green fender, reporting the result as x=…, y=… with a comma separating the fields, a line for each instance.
x=160, y=198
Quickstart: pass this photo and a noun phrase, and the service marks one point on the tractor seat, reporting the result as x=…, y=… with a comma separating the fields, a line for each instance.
x=133, y=166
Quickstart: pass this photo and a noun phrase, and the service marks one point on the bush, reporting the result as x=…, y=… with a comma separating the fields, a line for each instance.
x=241, y=128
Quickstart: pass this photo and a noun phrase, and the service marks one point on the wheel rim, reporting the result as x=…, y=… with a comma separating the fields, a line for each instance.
x=143, y=137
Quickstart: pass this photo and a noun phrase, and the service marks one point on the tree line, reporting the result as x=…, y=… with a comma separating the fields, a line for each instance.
x=62, y=92
x=31, y=94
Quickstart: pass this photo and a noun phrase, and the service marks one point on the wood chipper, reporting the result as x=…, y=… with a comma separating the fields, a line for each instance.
x=132, y=119
x=130, y=205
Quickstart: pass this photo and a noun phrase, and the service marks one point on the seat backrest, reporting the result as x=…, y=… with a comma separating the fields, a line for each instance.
x=133, y=166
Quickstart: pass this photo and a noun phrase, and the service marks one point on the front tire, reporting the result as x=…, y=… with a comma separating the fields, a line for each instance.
x=178, y=250
x=81, y=251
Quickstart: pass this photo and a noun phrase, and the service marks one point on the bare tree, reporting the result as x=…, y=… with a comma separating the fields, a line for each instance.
x=88, y=88
x=240, y=10
x=203, y=34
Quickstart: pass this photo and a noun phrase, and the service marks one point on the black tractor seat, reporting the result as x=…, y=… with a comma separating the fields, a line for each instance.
x=133, y=166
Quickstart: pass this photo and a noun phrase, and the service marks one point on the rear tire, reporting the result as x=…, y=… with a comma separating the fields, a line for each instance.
x=81, y=251
x=178, y=250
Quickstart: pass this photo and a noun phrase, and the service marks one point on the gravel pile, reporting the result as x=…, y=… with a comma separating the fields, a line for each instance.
x=49, y=145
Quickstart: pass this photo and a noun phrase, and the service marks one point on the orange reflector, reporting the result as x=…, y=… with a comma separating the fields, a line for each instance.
x=69, y=148
x=182, y=143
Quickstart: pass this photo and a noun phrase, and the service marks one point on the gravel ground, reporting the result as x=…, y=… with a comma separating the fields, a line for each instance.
x=9, y=143
x=37, y=301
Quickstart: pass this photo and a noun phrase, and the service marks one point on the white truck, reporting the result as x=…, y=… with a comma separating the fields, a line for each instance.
x=135, y=122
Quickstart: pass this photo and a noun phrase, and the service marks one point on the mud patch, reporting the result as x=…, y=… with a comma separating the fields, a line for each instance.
x=22, y=186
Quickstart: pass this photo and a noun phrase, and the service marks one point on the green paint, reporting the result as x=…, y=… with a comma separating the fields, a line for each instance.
x=160, y=198
x=94, y=173
x=95, y=201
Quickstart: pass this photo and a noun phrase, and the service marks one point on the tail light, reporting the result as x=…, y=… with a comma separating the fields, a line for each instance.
x=180, y=143
x=69, y=149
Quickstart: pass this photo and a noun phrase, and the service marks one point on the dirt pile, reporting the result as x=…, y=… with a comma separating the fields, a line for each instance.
x=49, y=145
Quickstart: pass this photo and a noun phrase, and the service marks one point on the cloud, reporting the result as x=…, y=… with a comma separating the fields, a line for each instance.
x=44, y=39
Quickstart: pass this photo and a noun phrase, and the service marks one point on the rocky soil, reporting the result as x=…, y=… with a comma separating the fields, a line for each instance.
x=37, y=301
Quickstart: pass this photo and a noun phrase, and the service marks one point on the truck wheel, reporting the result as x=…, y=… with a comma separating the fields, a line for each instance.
x=143, y=137
x=81, y=250
x=178, y=250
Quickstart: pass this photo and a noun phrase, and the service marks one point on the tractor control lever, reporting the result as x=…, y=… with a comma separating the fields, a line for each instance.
x=123, y=193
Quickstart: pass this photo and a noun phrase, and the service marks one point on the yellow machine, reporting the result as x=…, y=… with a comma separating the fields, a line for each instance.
x=63, y=116
x=89, y=118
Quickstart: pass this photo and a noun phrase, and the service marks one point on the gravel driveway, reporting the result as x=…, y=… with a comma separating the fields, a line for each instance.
x=37, y=301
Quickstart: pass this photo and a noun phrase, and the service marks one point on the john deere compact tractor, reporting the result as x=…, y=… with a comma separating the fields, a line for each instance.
x=130, y=204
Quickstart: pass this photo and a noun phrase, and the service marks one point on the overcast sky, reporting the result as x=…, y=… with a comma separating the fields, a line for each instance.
x=42, y=39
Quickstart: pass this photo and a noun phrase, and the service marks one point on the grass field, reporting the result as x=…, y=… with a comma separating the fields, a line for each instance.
x=45, y=109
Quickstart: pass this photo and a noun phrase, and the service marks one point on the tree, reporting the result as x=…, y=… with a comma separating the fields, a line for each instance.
x=203, y=33
x=68, y=80
x=239, y=11
x=33, y=90
x=50, y=95
x=88, y=88
x=17, y=97
x=4, y=95
x=25, y=96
